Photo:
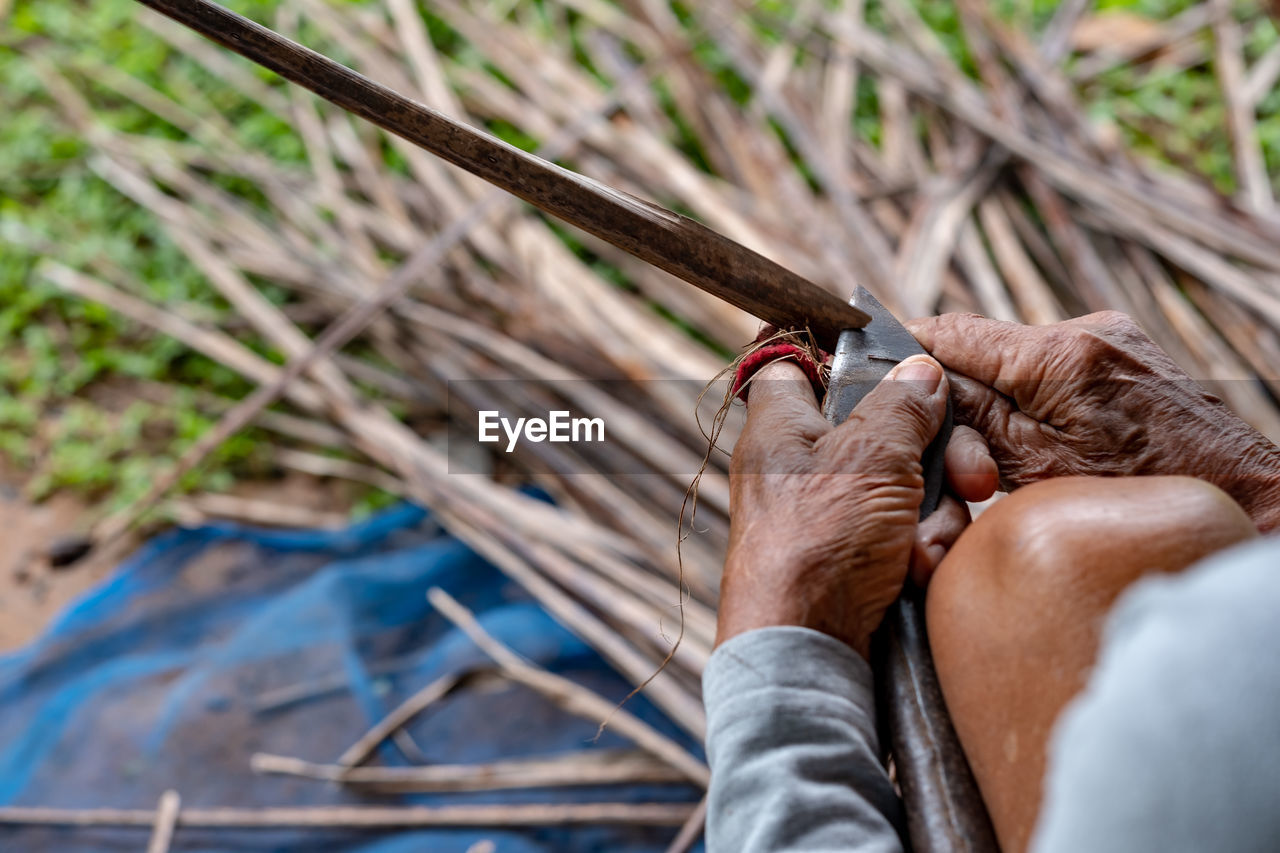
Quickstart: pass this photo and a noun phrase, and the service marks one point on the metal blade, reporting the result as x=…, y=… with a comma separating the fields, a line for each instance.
x=884, y=338
x=863, y=356
x=684, y=248
x=861, y=359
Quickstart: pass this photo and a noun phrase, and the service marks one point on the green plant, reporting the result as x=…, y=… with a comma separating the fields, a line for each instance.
x=69, y=417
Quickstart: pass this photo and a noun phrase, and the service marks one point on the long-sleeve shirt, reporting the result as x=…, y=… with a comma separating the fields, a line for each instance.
x=791, y=737
x=1174, y=745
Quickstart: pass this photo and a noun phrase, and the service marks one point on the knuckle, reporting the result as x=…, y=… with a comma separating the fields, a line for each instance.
x=920, y=415
x=1108, y=332
x=1110, y=320
x=951, y=326
x=909, y=398
x=1093, y=344
x=988, y=415
x=897, y=415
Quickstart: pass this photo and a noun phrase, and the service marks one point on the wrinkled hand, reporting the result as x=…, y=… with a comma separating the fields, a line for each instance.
x=823, y=520
x=1095, y=396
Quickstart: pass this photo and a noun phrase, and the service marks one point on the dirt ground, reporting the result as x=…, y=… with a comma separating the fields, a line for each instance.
x=32, y=592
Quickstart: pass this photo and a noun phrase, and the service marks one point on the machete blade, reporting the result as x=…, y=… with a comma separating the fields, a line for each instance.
x=884, y=338
x=862, y=358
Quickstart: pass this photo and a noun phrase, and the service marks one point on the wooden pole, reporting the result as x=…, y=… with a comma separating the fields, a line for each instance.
x=671, y=242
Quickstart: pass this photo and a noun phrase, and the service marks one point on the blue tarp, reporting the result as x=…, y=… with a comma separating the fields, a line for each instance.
x=212, y=644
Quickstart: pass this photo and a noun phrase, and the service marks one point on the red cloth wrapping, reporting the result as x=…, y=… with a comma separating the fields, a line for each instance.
x=777, y=351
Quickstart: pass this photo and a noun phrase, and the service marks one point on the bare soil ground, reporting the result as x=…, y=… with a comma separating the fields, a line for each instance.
x=32, y=593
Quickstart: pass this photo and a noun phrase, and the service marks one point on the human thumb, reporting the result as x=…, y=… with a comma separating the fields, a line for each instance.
x=907, y=407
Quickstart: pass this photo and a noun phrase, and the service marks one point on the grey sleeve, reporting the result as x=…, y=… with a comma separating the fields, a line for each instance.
x=792, y=744
x=1175, y=743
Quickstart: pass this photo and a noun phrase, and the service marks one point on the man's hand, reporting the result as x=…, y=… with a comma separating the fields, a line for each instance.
x=823, y=520
x=1095, y=396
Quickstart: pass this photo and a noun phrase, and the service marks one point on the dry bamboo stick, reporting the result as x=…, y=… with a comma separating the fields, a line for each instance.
x=412, y=33
x=691, y=831
x=268, y=513
x=1094, y=283
x=985, y=280
x=214, y=344
x=1228, y=60
x=600, y=591
x=167, y=814
x=572, y=697
x=327, y=466
x=289, y=694
x=1247, y=238
x=362, y=817
x=1034, y=296
x=330, y=191
x=1055, y=41
x=601, y=767
x=359, y=751
x=1262, y=76
x=929, y=242
x=1182, y=26
x=839, y=97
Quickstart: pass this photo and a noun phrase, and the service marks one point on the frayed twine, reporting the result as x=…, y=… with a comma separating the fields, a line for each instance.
x=772, y=344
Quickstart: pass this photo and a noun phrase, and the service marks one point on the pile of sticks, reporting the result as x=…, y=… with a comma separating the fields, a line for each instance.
x=988, y=191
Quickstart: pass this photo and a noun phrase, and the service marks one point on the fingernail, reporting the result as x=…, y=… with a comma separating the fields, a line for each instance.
x=919, y=369
x=936, y=553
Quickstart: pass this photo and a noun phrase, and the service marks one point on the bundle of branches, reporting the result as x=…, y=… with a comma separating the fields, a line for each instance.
x=850, y=142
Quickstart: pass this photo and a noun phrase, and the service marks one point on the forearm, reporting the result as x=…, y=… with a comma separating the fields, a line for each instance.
x=793, y=750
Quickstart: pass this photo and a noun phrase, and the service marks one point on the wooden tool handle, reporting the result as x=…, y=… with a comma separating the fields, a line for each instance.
x=945, y=811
